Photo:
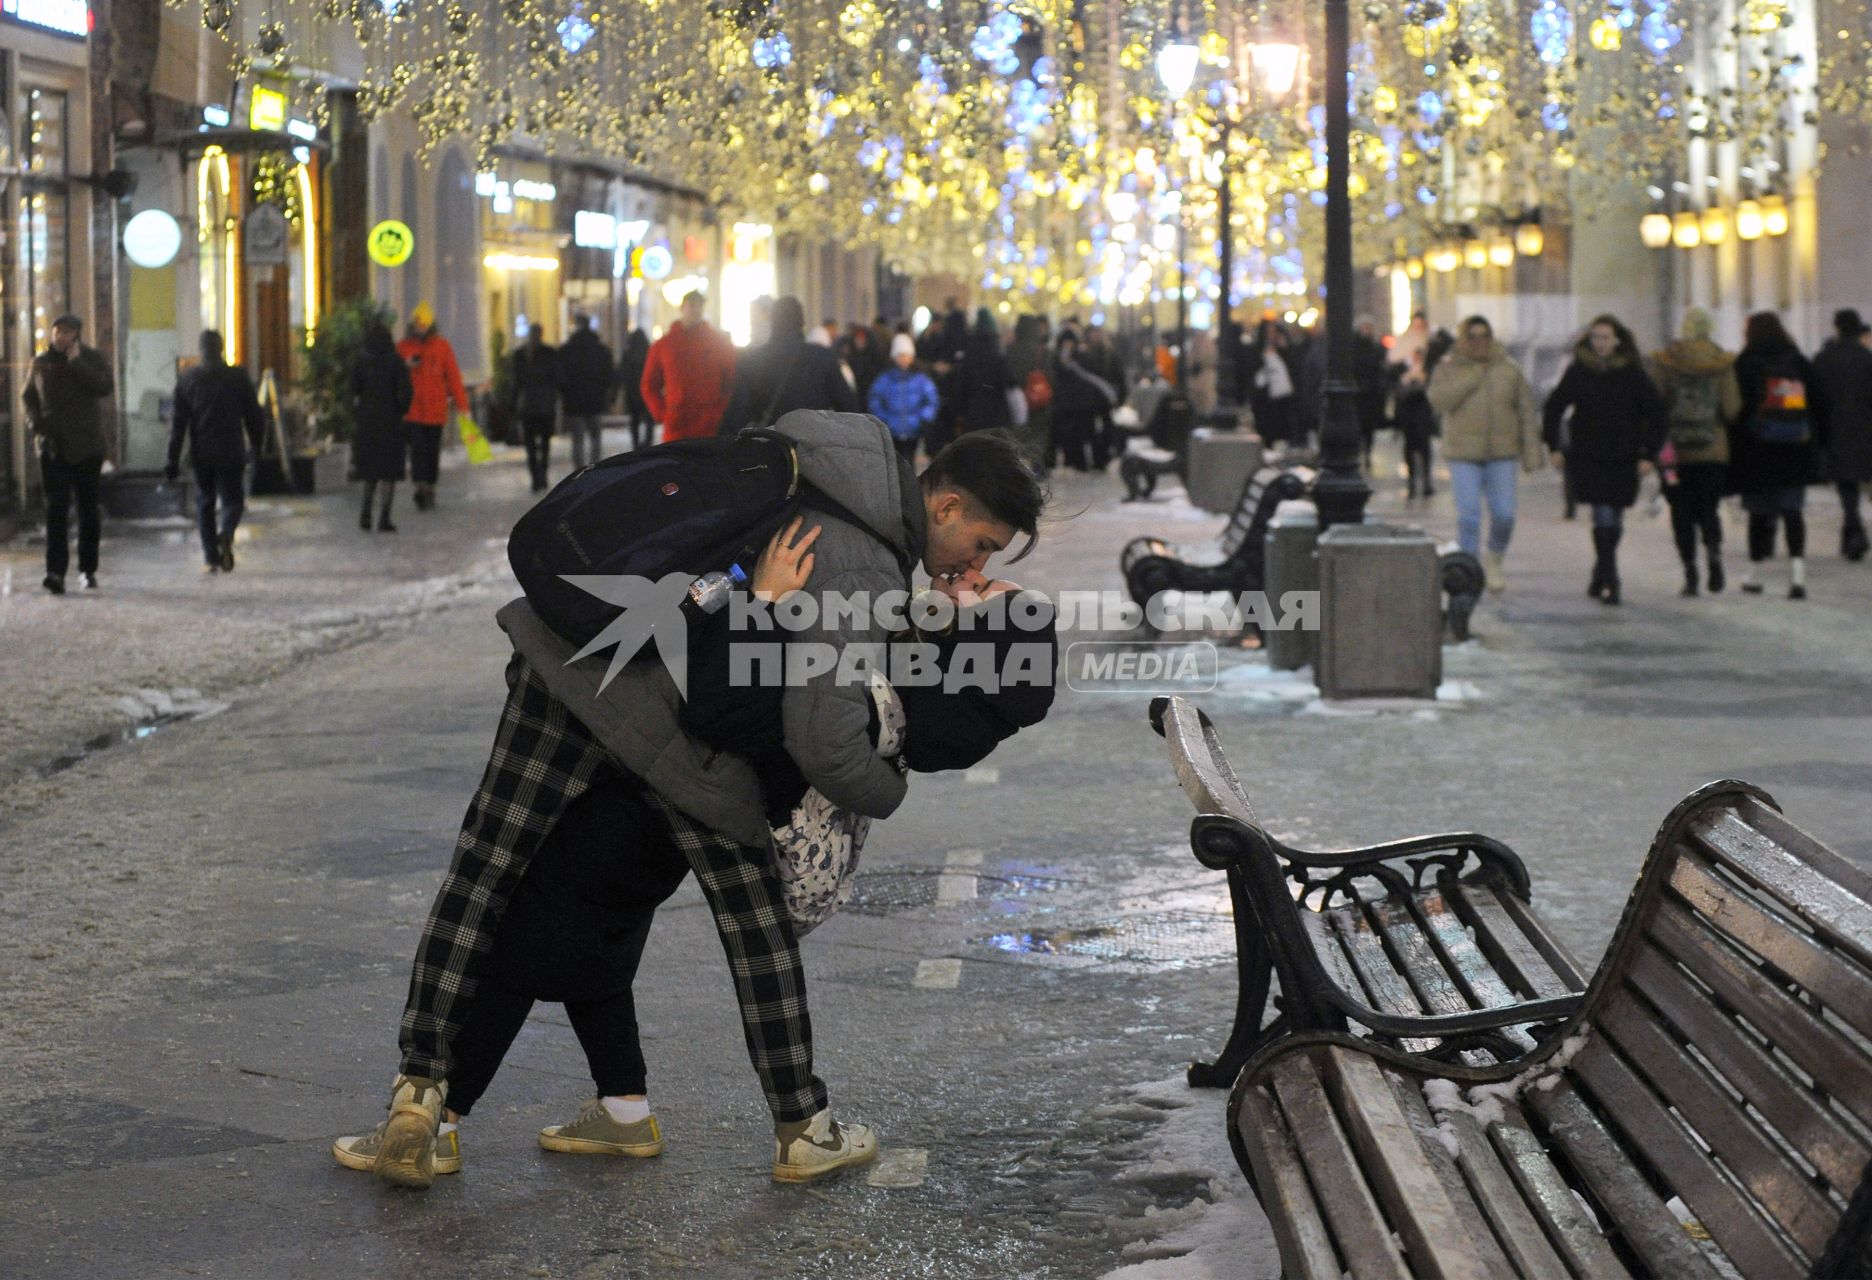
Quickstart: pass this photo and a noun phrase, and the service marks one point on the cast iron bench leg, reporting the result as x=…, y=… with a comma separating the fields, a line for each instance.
x=1254, y=967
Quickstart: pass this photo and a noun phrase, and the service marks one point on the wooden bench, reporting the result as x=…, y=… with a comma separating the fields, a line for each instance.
x=1426, y=944
x=1235, y=564
x=1706, y=1112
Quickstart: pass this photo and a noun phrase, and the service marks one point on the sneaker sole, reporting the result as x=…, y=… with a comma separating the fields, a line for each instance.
x=801, y=1173
x=593, y=1147
x=368, y=1164
x=407, y=1156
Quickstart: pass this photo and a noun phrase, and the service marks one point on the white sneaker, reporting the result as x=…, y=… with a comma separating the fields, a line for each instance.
x=808, y=1149
x=1492, y=572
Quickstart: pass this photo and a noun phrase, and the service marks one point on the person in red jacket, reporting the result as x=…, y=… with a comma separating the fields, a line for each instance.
x=435, y=379
x=688, y=375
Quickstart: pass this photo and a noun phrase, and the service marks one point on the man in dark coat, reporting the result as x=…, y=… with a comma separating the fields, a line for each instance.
x=1368, y=373
x=536, y=400
x=381, y=393
x=585, y=374
x=983, y=379
x=630, y=371
x=1843, y=382
x=218, y=415
x=63, y=388
x=785, y=374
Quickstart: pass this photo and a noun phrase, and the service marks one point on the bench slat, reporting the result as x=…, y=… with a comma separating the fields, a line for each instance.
x=1436, y=1238
x=1732, y=1221
x=1423, y=967
x=1502, y=940
x=1474, y=1176
x=1383, y=987
x=1332, y=1167
x=1829, y=975
x=1841, y=1068
x=1280, y=1183
x=1742, y=1061
x=1536, y=931
x=1833, y=909
x=1647, y=1225
x=1569, y=1227
x=1855, y=878
x=1460, y=953
x=1782, y=1190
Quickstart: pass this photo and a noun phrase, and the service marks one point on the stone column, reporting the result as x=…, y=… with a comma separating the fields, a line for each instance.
x=347, y=202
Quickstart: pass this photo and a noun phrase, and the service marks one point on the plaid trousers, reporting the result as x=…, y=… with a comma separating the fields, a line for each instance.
x=543, y=759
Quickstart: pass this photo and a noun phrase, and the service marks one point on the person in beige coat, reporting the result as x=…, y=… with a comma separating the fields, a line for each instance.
x=1491, y=432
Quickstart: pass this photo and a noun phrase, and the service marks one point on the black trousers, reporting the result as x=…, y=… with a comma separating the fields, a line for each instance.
x=538, y=433
x=1694, y=508
x=66, y=482
x=1073, y=438
x=425, y=451
x=574, y=933
x=224, y=487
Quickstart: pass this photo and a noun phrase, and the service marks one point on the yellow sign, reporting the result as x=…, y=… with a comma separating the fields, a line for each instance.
x=391, y=243
x=266, y=109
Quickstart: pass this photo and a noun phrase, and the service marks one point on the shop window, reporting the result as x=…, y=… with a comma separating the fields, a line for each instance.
x=44, y=213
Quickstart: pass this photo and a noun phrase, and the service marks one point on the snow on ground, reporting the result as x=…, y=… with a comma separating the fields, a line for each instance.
x=1213, y=1236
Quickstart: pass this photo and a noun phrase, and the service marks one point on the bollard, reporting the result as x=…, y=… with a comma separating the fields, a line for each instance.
x=1291, y=566
x=1220, y=463
x=1381, y=613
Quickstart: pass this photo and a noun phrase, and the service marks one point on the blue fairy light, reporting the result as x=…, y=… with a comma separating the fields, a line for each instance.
x=773, y=51
x=1430, y=106
x=575, y=32
x=1552, y=28
x=1658, y=33
x=1554, y=116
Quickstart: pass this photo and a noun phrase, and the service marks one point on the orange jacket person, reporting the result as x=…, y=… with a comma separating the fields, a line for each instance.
x=688, y=375
x=435, y=379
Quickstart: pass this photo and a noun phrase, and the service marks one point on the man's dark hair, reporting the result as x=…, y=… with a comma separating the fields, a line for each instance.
x=1473, y=321
x=789, y=317
x=696, y=296
x=988, y=467
x=212, y=344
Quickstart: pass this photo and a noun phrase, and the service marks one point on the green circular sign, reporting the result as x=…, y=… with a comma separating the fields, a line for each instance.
x=391, y=243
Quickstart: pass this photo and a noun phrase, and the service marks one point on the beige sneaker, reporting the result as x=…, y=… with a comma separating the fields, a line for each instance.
x=809, y=1149
x=595, y=1133
x=406, y=1149
x=360, y=1153
x=1492, y=572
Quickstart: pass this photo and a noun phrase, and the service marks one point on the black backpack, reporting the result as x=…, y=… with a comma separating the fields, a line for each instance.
x=689, y=506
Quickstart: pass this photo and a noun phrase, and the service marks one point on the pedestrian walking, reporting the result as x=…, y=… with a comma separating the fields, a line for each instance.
x=689, y=374
x=1619, y=422
x=865, y=359
x=381, y=393
x=1491, y=432
x=1368, y=373
x=1414, y=361
x=1080, y=397
x=1028, y=361
x=217, y=415
x=633, y=356
x=787, y=373
x=904, y=398
x=1698, y=382
x=1272, y=386
x=1099, y=358
x=1843, y=385
x=562, y=729
x=435, y=389
x=585, y=375
x=536, y=400
x=1772, y=452
x=942, y=347
x=983, y=379
x=63, y=389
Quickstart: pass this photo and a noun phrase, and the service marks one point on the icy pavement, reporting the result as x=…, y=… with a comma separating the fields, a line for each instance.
x=207, y=929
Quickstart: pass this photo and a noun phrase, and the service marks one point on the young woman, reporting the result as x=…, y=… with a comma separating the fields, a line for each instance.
x=1698, y=382
x=1618, y=426
x=1491, y=433
x=1772, y=453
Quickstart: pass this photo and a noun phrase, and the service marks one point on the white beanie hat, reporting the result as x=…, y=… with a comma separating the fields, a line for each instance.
x=902, y=345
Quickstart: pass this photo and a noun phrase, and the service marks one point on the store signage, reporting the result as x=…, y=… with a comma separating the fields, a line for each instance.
x=594, y=230
x=655, y=262
x=67, y=17
x=266, y=110
x=503, y=193
x=390, y=243
x=265, y=233
x=152, y=239
x=304, y=130
x=215, y=116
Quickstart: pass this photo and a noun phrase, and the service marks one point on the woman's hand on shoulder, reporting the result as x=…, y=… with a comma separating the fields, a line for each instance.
x=786, y=564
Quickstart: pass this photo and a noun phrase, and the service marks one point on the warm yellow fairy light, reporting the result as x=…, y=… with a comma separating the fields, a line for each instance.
x=1686, y=231
x=1529, y=240
x=1655, y=230
x=1475, y=255
x=1501, y=252
x=1749, y=220
x=1775, y=216
x=1414, y=268
x=1714, y=225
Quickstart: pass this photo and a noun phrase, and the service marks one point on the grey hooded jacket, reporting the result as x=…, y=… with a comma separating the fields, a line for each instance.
x=850, y=458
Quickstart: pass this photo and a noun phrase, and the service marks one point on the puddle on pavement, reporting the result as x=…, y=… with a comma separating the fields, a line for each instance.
x=1165, y=940
x=114, y=738
x=909, y=888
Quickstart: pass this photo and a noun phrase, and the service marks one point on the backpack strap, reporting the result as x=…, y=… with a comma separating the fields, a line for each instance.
x=813, y=498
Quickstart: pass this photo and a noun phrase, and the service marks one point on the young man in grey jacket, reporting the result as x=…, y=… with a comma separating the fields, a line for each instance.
x=564, y=724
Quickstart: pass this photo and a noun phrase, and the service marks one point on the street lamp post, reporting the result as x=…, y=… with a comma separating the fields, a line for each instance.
x=1341, y=491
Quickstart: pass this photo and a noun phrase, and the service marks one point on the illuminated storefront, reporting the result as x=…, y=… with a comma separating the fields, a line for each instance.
x=520, y=257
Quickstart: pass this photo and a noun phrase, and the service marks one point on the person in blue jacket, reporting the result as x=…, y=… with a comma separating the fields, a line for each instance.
x=904, y=397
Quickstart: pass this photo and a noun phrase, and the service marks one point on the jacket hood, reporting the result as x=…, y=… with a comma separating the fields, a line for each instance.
x=850, y=458
x=1591, y=359
x=1694, y=356
x=1496, y=354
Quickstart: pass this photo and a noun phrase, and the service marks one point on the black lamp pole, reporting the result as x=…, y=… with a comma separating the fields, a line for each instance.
x=1227, y=343
x=1341, y=491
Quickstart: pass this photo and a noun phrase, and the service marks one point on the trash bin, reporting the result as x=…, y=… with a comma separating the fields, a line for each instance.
x=1220, y=463
x=1292, y=535
x=1381, y=613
